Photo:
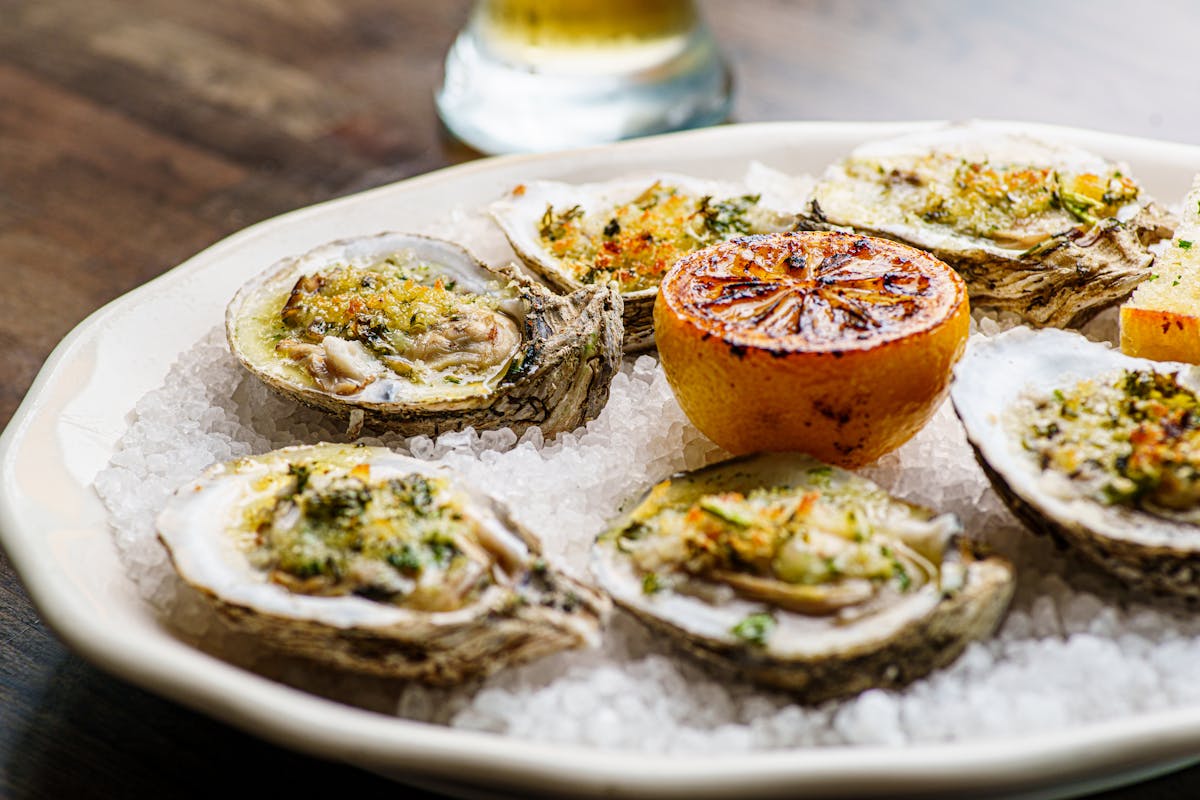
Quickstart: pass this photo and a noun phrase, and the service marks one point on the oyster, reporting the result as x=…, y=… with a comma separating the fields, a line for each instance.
x=1051, y=232
x=627, y=231
x=413, y=334
x=1097, y=448
x=801, y=575
x=369, y=561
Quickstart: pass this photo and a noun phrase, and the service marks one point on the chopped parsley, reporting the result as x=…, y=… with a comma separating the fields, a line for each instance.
x=348, y=324
x=727, y=218
x=636, y=242
x=301, y=473
x=730, y=510
x=554, y=225
x=1079, y=206
x=335, y=531
x=795, y=547
x=406, y=560
x=755, y=629
x=1016, y=205
x=1129, y=439
x=821, y=477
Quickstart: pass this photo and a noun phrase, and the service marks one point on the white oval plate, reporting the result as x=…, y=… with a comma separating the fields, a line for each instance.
x=54, y=528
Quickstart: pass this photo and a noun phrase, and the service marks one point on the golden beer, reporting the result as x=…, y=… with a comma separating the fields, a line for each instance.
x=587, y=23
x=584, y=36
x=528, y=75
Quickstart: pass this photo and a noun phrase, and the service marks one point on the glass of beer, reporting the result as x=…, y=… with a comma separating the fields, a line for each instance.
x=534, y=75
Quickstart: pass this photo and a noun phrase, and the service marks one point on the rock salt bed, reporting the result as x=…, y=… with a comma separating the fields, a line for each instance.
x=1074, y=649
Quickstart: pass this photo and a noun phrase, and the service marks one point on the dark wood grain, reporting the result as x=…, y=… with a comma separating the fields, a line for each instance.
x=134, y=133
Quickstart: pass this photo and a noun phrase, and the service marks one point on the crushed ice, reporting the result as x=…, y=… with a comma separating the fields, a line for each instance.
x=1074, y=648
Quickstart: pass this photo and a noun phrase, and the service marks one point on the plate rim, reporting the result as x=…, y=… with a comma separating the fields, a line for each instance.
x=384, y=743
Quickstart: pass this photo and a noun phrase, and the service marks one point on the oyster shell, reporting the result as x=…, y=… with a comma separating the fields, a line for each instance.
x=1082, y=451
x=1051, y=232
x=369, y=561
x=413, y=334
x=629, y=230
x=801, y=576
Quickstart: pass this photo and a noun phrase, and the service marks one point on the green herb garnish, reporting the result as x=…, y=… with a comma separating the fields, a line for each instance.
x=728, y=217
x=820, y=477
x=728, y=510
x=406, y=561
x=755, y=629
x=554, y=226
x=301, y=472
x=1078, y=206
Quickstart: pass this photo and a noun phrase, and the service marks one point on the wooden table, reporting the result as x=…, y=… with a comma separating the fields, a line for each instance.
x=134, y=133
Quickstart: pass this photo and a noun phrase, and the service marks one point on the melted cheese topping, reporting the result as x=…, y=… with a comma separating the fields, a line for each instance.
x=1014, y=205
x=379, y=305
x=406, y=540
x=634, y=244
x=814, y=548
x=1130, y=439
x=348, y=325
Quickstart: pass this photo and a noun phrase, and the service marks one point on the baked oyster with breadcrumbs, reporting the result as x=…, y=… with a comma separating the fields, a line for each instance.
x=413, y=334
x=1049, y=231
x=369, y=561
x=1094, y=447
x=626, y=232
x=801, y=576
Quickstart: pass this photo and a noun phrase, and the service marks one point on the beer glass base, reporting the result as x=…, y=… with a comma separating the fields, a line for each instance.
x=499, y=107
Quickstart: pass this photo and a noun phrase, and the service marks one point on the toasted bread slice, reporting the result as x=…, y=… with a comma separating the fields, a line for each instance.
x=1161, y=320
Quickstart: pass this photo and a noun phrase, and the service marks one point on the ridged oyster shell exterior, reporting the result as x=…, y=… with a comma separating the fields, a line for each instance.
x=1143, y=550
x=533, y=611
x=518, y=214
x=1061, y=281
x=814, y=657
x=569, y=351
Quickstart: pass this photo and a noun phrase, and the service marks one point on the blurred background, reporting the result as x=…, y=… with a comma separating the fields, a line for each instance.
x=135, y=133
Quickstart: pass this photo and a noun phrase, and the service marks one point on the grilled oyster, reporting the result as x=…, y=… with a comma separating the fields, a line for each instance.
x=628, y=231
x=1094, y=447
x=802, y=576
x=413, y=334
x=373, y=562
x=1051, y=232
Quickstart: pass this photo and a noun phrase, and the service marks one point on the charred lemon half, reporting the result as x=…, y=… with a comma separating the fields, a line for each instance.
x=834, y=344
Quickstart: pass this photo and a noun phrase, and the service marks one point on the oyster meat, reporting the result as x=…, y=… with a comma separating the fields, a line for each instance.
x=413, y=334
x=1051, y=232
x=369, y=561
x=1096, y=448
x=628, y=231
x=801, y=576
